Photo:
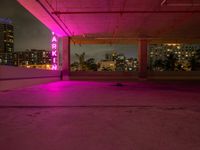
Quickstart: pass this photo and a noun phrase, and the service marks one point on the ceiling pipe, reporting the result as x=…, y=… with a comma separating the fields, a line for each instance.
x=179, y=4
x=135, y=37
x=119, y=20
x=183, y=4
x=126, y=12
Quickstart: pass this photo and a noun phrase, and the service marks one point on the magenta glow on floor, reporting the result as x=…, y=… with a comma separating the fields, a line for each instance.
x=99, y=115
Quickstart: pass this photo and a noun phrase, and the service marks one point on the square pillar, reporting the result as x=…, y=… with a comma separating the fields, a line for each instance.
x=65, y=56
x=142, y=58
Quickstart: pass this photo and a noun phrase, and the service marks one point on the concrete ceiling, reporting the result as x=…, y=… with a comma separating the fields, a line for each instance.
x=119, y=19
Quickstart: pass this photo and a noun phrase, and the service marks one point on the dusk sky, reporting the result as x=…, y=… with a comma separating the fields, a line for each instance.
x=98, y=51
x=30, y=33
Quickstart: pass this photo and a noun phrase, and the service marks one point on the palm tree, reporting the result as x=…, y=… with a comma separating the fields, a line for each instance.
x=91, y=65
x=81, y=58
x=158, y=65
x=169, y=62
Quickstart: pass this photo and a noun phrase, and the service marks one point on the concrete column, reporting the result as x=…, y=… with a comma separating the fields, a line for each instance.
x=65, y=57
x=142, y=57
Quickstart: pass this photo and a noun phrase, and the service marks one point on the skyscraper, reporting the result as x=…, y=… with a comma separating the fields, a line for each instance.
x=6, y=41
x=6, y=36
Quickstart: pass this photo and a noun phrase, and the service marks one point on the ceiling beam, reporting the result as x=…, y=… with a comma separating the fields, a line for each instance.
x=125, y=12
x=69, y=31
x=47, y=11
x=180, y=4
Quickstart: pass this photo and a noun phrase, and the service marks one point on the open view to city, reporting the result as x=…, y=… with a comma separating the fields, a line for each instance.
x=101, y=57
x=104, y=58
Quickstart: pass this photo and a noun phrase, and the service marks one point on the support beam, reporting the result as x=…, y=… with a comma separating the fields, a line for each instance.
x=142, y=56
x=66, y=57
x=52, y=17
x=127, y=12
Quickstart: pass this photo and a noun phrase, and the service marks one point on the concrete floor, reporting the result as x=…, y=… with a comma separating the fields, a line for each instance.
x=64, y=115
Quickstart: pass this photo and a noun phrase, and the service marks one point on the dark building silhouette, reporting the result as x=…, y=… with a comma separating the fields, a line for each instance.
x=6, y=36
x=6, y=41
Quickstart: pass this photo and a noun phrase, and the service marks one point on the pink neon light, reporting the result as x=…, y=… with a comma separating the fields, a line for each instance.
x=54, y=39
x=54, y=67
x=54, y=51
x=54, y=46
x=54, y=60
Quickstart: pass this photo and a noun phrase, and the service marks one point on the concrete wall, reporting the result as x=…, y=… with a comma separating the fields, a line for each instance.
x=184, y=75
x=18, y=77
x=109, y=76
x=131, y=76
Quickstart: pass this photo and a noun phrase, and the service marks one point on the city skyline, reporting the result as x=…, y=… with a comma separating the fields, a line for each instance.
x=98, y=51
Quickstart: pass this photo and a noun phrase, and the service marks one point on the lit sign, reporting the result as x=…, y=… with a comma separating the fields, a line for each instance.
x=54, y=51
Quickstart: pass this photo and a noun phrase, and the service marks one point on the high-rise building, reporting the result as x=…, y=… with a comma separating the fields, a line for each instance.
x=33, y=58
x=6, y=36
x=172, y=56
x=6, y=41
x=118, y=62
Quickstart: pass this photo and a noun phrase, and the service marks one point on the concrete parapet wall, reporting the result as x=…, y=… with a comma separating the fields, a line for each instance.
x=116, y=76
x=18, y=77
x=192, y=75
x=129, y=76
x=10, y=72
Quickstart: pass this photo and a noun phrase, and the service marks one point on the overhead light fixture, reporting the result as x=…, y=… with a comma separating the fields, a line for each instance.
x=180, y=4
